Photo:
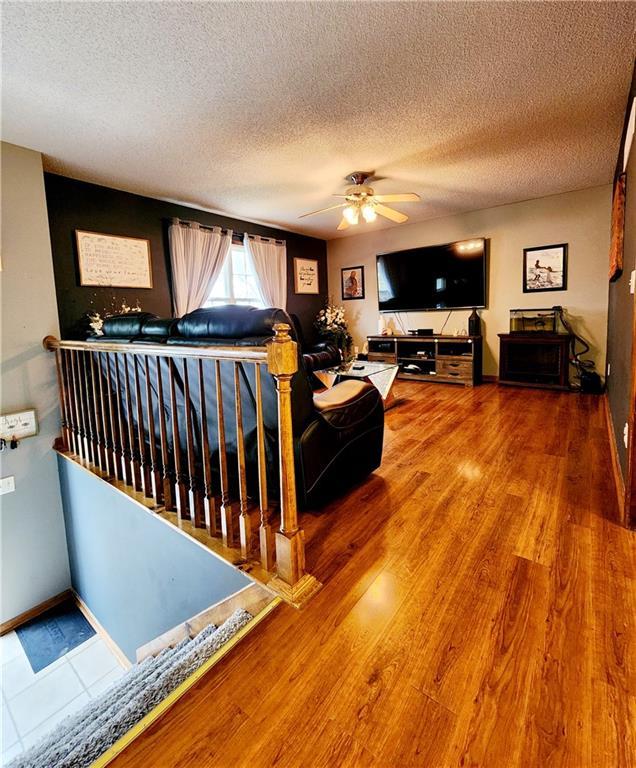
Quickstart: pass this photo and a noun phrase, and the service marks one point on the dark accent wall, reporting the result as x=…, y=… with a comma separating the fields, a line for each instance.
x=621, y=309
x=78, y=205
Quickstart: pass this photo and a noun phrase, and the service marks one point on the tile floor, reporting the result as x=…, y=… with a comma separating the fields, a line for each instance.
x=32, y=704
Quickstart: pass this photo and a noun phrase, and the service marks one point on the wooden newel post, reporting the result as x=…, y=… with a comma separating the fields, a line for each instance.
x=282, y=363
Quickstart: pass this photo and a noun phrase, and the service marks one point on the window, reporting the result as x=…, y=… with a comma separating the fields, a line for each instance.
x=237, y=283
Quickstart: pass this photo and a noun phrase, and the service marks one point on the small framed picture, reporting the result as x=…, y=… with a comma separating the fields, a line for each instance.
x=306, y=276
x=545, y=268
x=352, y=279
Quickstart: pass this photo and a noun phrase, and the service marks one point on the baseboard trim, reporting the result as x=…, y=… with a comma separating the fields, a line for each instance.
x=94, y=622
x=619, y=483
x=37, y=610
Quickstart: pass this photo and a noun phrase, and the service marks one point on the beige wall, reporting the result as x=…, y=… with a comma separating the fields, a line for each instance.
x=33, y=542
x=581, y=219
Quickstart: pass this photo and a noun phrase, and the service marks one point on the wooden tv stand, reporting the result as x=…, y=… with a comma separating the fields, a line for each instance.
x=445, y=359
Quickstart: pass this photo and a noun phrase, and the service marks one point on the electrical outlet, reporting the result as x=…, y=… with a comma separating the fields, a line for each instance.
x=626, y=434
x=7, y=485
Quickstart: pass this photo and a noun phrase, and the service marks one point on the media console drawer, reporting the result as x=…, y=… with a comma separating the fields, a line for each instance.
x=459, y=368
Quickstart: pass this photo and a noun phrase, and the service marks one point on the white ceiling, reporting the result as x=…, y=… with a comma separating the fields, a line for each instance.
x=258, y=110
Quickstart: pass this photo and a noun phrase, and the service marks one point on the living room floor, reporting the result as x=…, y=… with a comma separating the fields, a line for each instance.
x=478, y=607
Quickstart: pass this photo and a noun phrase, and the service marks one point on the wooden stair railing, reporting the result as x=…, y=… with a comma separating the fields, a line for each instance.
x=114, y=423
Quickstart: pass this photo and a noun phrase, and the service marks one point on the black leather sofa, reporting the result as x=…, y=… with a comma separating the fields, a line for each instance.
x=338, y=434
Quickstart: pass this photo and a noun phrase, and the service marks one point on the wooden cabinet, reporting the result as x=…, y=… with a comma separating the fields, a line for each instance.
x=534, y=360
x=444, y=359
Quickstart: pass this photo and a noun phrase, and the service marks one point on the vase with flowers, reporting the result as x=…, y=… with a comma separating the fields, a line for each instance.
x=95, y=319
x=332, y=327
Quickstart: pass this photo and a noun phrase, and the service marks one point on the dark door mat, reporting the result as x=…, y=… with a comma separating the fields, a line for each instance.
x=53, y=634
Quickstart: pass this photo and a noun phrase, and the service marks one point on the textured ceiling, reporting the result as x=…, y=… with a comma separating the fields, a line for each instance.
x=258, y=110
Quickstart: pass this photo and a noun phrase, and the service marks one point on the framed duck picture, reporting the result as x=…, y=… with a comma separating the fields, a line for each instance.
x=352, y=279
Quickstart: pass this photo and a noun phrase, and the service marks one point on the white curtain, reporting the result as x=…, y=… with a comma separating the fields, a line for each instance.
x=197, y=256
x=269, y=258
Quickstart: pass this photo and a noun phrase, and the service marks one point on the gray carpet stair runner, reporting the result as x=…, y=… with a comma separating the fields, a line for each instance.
x=82, y=737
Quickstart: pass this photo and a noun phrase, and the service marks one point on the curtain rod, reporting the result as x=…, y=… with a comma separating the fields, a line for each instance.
x=235, y=235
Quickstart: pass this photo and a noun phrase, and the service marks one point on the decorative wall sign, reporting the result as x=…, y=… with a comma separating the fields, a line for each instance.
x=352, y=279
x=113, y=261
x=617, y=232
x=545, y=268
x=306, y=276
x=18, y=425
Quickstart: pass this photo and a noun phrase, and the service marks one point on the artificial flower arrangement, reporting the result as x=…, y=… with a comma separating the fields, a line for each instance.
x=96, y=319
x=332, y=326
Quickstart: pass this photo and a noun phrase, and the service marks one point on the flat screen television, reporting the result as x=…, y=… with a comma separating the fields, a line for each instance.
x=449, y=276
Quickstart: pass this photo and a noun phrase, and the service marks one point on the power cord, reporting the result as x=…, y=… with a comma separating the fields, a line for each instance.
x=589, y=380
x=445, y=321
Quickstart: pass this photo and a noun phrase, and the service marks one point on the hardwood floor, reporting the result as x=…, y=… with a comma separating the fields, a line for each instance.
x=478, y=608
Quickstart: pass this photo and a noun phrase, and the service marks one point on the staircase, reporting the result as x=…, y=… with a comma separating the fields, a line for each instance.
x=80, y=739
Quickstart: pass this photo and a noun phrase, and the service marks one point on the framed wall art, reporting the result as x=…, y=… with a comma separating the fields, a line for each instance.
x=306, y=276
x=545, y=268
x=113, y=261
x=352, y=281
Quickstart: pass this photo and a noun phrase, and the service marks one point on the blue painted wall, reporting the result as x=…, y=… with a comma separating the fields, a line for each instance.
x=139, y=576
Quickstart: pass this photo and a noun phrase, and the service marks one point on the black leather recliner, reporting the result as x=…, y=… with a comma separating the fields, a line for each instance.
x=338, y=434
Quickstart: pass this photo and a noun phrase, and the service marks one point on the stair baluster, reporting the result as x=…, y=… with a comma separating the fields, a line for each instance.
x=79, y=406
x=179, y=484
x=86, y=407
x=125, y=452
x=245, y=523
x=167, y=486
x=195, y=497
x=70, y=401
x=266, y=538
x=144, y=463
x=133, y=457
x=228, y=521
x=66, y=436
x=209, y=502
x=98, y=446
x=155, y=476
x=104, y=404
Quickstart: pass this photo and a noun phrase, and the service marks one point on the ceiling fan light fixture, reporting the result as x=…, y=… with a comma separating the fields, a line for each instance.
x=351, y=214
x=368, y=213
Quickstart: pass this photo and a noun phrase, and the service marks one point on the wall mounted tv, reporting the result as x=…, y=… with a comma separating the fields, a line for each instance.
x=449, y=276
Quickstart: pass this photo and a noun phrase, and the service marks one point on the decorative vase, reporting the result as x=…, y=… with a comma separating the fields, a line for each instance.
x=474, y=324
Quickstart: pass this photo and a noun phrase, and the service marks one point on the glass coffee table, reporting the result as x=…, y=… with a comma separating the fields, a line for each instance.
x=381, y=375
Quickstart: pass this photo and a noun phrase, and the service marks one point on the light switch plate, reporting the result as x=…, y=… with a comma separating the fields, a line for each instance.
x=7, y=484
x=18, y=425
x=632, y=281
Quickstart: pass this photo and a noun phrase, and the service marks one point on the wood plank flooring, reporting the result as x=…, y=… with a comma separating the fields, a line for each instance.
x=478, y=608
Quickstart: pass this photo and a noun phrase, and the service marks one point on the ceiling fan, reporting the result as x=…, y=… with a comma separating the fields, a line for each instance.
x=361, y=200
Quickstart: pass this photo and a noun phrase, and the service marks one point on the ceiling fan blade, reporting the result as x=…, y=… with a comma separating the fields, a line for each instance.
x=344, y=224
x=389, y=213
x=407, y=197
x=322, y=210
